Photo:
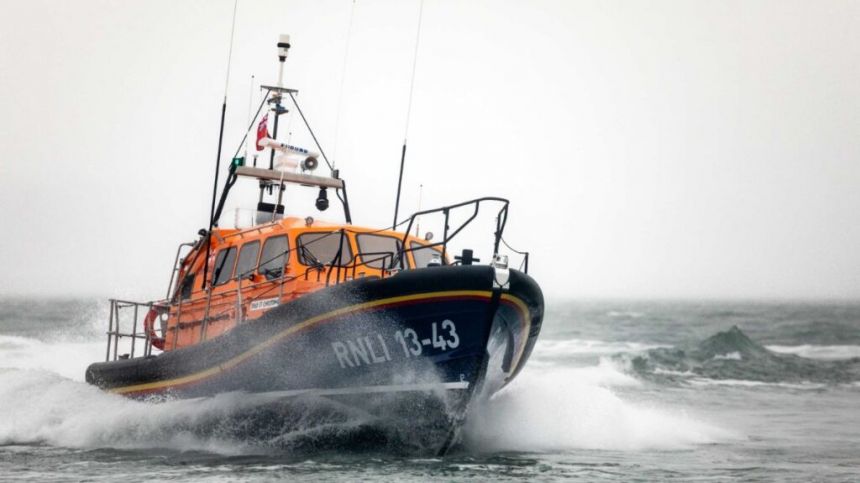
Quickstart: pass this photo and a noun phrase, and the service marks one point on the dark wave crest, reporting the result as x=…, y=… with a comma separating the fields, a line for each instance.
x=733, y=355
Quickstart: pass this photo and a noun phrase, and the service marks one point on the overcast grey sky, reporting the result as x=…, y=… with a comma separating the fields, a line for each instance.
x=650, y=149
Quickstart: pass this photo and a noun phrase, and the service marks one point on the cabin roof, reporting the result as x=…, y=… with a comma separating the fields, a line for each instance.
x=293, y=223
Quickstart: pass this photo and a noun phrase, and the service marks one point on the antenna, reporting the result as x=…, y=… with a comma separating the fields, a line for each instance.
x=283, y=51
x=250, y=107
x=408, y=113
x=220, y=142
x=342, y=81
x=278, y=109
x=418, y=219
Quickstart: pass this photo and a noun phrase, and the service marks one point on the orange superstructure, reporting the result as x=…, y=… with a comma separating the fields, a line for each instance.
x=253, y=270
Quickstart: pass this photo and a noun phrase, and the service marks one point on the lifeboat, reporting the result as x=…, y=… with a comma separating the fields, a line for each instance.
x=293, y=307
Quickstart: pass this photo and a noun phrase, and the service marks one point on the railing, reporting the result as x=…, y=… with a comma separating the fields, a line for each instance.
x=334, y=271
x=331, y=272
x=448, y=234
x=177, y=265
x=119, y=308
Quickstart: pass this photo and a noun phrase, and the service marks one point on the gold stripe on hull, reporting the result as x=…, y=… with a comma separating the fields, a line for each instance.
x=231, y=363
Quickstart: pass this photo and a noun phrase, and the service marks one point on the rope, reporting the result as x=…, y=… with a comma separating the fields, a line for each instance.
x=295, y=103
x=251, y=124
x=512, y=249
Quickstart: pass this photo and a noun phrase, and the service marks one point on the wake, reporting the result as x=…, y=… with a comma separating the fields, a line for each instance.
x=547, y=408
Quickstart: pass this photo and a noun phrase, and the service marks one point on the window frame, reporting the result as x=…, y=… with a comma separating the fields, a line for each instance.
x=415, y=245
x=186, y=287
x=347, y=242
x=398, y=249
x=285, y=255
x=216, y=276
x=255, y=262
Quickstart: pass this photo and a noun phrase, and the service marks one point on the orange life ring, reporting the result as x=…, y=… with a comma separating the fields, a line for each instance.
x=149, y=328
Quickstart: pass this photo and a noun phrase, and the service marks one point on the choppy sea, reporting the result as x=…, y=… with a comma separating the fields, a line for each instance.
x=615, y=390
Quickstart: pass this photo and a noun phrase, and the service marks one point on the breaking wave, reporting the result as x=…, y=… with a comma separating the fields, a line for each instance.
x=731, y=357
x=68, y=359
x=826, y=352
x=558, y=349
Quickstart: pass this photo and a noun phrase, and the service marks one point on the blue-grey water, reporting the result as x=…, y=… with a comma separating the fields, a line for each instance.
x=627, y=391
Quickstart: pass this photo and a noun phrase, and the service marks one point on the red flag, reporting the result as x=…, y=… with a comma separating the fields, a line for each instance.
x=262, y=131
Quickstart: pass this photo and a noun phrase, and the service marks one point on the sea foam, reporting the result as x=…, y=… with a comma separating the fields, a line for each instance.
x=66, y=358
x=542, y=410
x=566, y=409
x=41, y=407
x=44, y=401
x=824, y=352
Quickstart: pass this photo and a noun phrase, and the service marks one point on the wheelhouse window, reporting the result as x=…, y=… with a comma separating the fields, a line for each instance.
x=423, y=254
x=187, y=286
x=378, y=251
x=274, y=257
x=224, y=264
x=248, y=259
x=321, y=248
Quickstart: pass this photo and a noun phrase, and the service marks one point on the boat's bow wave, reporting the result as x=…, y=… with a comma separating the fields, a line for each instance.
x=563, y=409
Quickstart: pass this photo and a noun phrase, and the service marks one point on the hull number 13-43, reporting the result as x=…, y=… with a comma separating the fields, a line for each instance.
x=443, y=339
x=374, y=349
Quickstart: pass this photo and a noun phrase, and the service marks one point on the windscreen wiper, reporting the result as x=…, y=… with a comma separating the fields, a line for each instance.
x=308, y=255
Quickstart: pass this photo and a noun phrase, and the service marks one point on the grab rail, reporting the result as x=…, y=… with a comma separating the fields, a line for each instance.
x=448, y=235
x=114, y=333
x=330, y=272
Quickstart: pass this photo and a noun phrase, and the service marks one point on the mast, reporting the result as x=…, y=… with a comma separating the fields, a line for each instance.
x=276, y=98
x=267, y=178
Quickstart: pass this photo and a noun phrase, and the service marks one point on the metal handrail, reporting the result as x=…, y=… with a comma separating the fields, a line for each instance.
x=114, y=332
x=334, y=267
x=501, y=221
x=176, y=267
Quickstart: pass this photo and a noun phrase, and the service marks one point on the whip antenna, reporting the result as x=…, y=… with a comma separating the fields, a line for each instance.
x=250, y=121
x=220, y=142
x=342, y=79
x=418, y=219
x=408, y=113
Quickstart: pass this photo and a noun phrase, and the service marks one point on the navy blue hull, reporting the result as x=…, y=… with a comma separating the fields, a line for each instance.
x=423, y=331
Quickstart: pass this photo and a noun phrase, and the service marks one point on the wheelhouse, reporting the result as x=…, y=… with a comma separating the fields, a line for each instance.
x=250, y=271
